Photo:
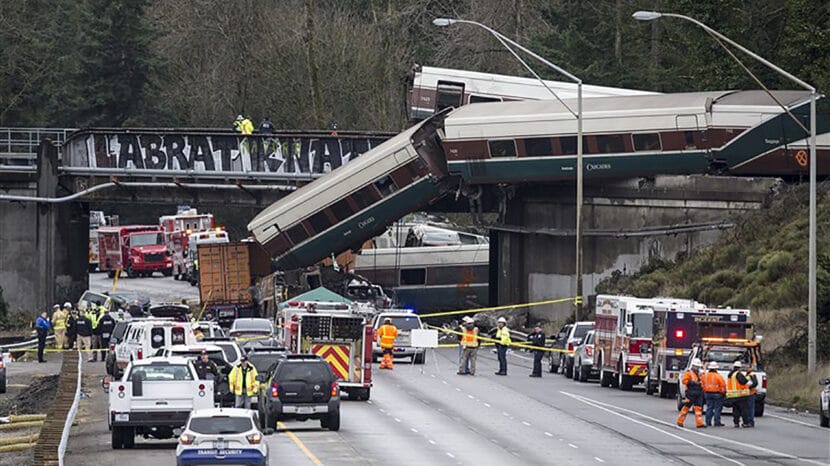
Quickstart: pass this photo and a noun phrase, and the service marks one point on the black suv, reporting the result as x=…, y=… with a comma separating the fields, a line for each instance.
x=301, y=387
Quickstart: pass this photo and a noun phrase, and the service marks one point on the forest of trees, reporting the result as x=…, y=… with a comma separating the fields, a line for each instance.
x=311, y=63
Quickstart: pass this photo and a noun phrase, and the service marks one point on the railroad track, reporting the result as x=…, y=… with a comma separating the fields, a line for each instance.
x=46, y=450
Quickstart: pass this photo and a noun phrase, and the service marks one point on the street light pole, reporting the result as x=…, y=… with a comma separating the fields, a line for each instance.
x=811, y=278
x=578, y=115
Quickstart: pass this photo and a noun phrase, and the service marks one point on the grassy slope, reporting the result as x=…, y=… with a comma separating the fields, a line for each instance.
x=761, y=264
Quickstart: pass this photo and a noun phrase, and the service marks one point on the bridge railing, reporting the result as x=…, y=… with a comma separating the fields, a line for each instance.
x=18, y=146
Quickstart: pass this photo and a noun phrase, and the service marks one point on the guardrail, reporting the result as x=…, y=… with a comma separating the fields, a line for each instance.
x=70, y=418
x=54, y=433
x=18, y=146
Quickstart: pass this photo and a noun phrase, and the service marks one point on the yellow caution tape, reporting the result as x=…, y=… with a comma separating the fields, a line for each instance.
x=491, y=340
x=500, y=308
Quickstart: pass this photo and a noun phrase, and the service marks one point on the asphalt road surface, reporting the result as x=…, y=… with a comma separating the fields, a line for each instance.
x=428, y=415
x=158, y=288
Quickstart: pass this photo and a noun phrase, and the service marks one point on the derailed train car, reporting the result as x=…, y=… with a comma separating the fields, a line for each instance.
x=357, y=200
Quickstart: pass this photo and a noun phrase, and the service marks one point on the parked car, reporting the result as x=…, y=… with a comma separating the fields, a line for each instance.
x=177, y=312
x=133, y=302
x=209, y=329
x=301, y=387
x=575, y=334
x=559, y=344
x=145, y=337
x=251, y=328
x=118, y=333
x=254, y=345
x=265, y=359
x=584, y=359
x=92, y=298
x=233, y=352
x=222, y=436
x=824, y=403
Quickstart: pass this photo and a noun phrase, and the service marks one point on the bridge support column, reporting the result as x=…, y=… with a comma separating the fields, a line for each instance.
x=43, y=247
x=626, y=223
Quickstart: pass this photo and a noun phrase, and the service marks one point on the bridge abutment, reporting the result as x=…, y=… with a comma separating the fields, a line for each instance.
x=626, y=223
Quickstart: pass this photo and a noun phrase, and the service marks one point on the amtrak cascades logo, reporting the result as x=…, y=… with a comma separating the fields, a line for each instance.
x=597, y=166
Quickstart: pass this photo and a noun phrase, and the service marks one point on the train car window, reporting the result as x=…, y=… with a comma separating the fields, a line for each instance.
x=341, y=210
x=320, y=222
x=475, y=99
x=568, y=144
x=413, y=276
x=538, y=147
x=450, y=94
x=297, y=234
x=646, y=141
x=364, y=198
x=502, y=148
x=386, y=186
x=690, y=139
x=610, y=143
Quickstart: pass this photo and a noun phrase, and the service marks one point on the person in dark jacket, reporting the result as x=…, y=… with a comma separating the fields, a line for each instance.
x=537, y=338
x=266, y=127
x=84, y=330
x=737, y=391
x=71, y=330
x=105, y=327
x=42, y=326
x=205, y=366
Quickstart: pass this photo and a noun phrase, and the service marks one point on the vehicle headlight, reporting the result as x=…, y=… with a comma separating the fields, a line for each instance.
x=186, y=439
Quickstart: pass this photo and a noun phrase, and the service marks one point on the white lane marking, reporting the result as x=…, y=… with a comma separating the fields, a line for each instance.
x=432, y=375
x=548, y=434
x=471, y=397
x=457, y=389
x=590, y=402
x=382, y=410
x=397, y=420
x=444, y=382
x=505, y=414
x=572, y=445
x=370, y=402
x=791, y=420
x=526, y=423
x=413, y=429
x=487, y=404
x=695, y=432
x=599, y=460
x=432, y=442
x=450, y=455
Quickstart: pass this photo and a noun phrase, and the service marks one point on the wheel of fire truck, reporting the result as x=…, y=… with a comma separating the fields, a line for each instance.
x=604, y=377
x=167, y=272
x=130, y=272
x=419, y=358
x=625, y=382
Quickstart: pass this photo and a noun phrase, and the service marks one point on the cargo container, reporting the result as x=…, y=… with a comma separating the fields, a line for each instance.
x=227, y=275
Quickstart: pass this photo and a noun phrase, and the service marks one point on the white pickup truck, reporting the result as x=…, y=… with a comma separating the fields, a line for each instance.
x=153, y=398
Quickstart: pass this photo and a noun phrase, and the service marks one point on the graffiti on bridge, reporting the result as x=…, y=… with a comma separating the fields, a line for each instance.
x=232, y=153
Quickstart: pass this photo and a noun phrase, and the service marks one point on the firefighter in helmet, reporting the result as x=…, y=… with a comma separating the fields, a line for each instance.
x=386, y=338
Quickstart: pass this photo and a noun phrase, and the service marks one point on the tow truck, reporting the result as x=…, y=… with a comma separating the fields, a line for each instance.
x=726, y=343
x=674, y=333
x=332, y=331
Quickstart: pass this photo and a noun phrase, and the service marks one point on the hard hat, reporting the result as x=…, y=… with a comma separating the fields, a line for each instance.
x=467, y=319
x=67, y=304
x=387, y=320
x=56, y=306
x=713, y=365
x=697, y=362
x=240, y=117
x=737, y=364
x=502, y=320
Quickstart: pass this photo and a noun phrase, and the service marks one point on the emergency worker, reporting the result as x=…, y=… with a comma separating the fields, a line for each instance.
x=71, y=329
x=503, y=341
x=737, y=392
x=59, y=326
x=537, y=338
x=84, y=332
x=243, y=384
x=752, y=383
x=266, y=127
x=94, y=314
x=386, y=339
x=42, y=326
x=205, y=366
x=469, y=347
x=714, y=389
x=243, y=125
x=694, y=395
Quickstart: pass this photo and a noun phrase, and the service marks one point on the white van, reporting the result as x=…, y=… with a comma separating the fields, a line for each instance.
x=145, y=337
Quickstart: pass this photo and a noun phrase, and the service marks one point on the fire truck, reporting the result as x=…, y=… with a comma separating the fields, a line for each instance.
x=177, y=232
x=331, y=331
x=623, y=338
x=138, y=250
x=676, y=329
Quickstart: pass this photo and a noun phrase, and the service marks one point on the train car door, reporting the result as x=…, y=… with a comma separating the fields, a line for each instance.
x=449, y=94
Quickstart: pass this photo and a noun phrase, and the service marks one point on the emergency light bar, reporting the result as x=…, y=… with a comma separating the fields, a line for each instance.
x=725, y=340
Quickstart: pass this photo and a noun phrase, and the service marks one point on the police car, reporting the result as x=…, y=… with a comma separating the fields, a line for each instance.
x=222, y=436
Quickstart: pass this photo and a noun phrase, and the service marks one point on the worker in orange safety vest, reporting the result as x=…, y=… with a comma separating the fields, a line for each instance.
x=386, y=338
x=694, y=394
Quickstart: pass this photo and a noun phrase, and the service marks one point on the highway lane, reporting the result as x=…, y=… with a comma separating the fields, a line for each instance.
x=158, y=288
x=437, y=417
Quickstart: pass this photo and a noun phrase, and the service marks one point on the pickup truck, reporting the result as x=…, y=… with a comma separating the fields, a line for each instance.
x=405, y=321
x=154, y=399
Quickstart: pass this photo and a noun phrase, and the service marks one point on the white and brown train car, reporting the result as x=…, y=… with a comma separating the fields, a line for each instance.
x=433, y=89
x=623, y=136
x=356, y=201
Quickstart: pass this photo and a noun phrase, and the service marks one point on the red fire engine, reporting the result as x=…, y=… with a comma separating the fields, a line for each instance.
x=177, y=229
x=138, y=250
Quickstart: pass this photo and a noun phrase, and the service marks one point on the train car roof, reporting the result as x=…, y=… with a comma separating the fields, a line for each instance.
x=423, y=256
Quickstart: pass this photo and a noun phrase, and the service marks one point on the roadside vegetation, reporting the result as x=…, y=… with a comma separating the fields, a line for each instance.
x=761, y=264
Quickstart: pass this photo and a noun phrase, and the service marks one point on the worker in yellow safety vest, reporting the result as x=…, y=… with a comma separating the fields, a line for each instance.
x=502, y=343
x=386, y=339
x=469, y=345
x=59, y=326
x=243, y=383
x=737, y=392
x=243, y=125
